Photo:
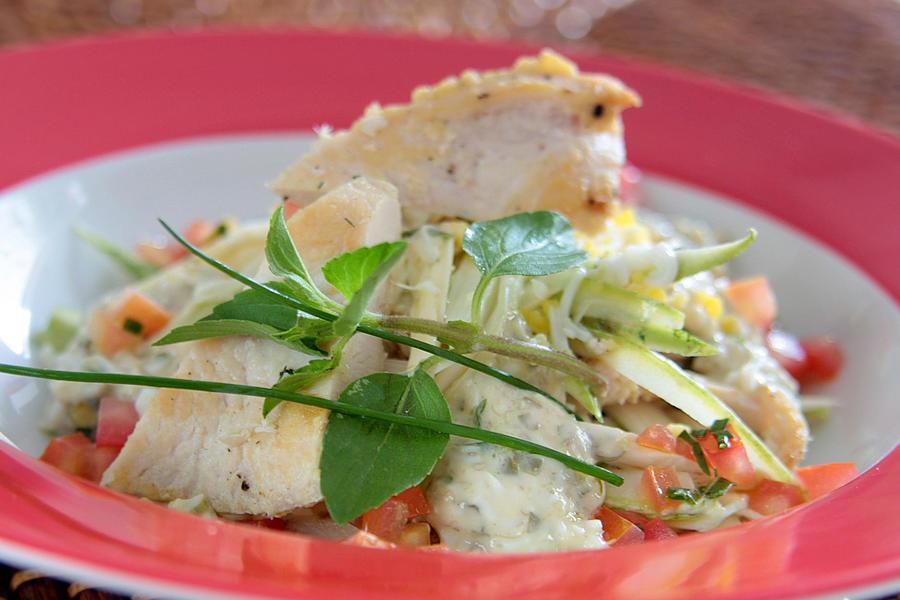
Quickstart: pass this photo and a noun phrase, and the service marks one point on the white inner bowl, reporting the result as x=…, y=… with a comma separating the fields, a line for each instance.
x=44, y=265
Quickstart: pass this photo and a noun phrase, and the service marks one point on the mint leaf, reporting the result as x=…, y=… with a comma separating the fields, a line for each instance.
x=536, y=243
x=253, y=305
x=256, y=314
x=300, y=379
x=365, y=461
x=131, y=264
x=202, y=330
x=373, y=264
x=281, y=253
x=349, y=271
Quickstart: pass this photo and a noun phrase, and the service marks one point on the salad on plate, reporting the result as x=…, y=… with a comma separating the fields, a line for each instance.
x=458, y=329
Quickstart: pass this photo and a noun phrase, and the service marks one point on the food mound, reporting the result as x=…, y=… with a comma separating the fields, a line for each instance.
x=457, y=329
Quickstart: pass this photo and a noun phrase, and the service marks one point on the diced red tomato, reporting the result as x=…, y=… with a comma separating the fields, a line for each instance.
x=197, y=233
x=290, y=208
x=133, y=320
x=822, y=479
x=682, y=448
x=732, y=463
x=77, y=455
x=657, y=437
x=655, y=482
x=656, y=529
x=416, y=503
x=753, y=299
x=824, y=359
x=388, y=520
x=788, y=351
x=155, y=254
x=617, y=529
x=635, y=517
x=115, y=422
x=629, y=181
x=772, y=497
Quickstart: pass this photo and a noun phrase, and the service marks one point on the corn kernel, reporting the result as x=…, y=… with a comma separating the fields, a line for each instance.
x=624, y=218
x=712, y=304
x=537, y=320
x=730, y=325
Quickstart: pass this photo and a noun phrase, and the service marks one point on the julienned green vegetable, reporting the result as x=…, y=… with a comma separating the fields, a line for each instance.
x=600, y=300
x=696, y=260
x=663, y=378
x=131, y=264
x=536, y=243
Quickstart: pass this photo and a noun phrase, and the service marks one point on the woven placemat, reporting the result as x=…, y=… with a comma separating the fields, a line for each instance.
x=840, y=54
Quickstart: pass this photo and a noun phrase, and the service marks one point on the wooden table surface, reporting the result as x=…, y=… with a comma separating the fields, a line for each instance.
x=840, y=54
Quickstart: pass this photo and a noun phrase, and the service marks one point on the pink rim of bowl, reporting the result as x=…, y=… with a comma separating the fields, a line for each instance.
x=832, y=179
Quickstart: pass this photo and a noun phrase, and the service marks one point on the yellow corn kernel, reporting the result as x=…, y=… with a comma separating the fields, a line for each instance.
x=537, y=320
x=730, y=325
x=624, y=218
x=712, y=304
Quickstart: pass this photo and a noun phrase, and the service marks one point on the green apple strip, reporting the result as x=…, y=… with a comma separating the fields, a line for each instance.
x=664, y=378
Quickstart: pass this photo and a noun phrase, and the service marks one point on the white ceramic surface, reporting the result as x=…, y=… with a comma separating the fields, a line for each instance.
x=44, y=265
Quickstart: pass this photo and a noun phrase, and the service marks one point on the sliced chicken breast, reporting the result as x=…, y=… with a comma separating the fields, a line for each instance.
x=479, y=146
x=189, y=443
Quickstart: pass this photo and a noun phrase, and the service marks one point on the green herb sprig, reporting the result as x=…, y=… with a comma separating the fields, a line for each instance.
x=535, y=243
x=373, y=399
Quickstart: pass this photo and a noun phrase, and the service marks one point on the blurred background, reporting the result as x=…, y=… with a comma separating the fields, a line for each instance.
x=840, y=54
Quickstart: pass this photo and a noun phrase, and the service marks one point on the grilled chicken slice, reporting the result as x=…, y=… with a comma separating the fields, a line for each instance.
x=188, y=443
x=483, y=145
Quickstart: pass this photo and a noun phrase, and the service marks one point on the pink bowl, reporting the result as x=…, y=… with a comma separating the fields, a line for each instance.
x=70, y=101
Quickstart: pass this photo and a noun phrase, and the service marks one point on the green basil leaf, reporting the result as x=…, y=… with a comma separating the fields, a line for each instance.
x=253, y=305
x=536, y=243
x=281, y=253
x=205, y=329
x=349, y=271
x=375, y=262
x=131, y=264
x=301, y=379
x=365, y=461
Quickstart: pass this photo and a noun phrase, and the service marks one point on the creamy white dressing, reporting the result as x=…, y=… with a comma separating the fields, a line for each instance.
x=484, y=497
